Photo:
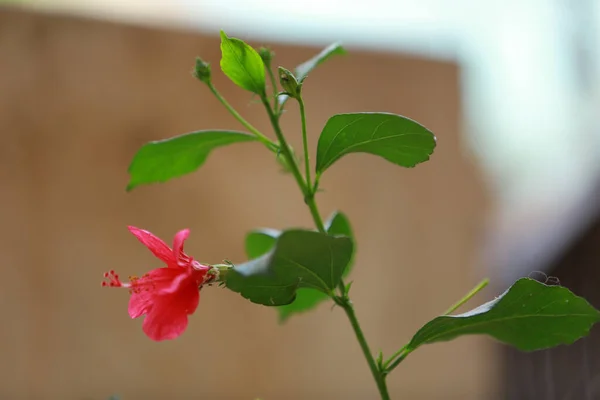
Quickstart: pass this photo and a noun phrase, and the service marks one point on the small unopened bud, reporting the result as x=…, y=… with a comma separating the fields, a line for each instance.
x=202, y=70
x=289, y=83
x=266, y=55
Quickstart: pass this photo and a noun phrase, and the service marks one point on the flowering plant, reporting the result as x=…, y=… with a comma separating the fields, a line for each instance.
x=297, y=269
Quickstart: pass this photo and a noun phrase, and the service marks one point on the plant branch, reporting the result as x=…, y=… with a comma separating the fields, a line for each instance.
x=305, y=143
x=405, y=351
x=262, y=138
x=396, y=354
x=468, y=296
x=343, y=300
x=274, y=86
x=346, y=304
x=401, y=354
x=285, y=148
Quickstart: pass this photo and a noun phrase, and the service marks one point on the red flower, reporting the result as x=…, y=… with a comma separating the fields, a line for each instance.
x=164, y=295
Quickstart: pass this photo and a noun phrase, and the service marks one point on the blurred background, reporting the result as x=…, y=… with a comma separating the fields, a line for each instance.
x=510, y=88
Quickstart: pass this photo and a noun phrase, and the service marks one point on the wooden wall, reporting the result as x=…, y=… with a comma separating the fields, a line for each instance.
x=77, y=99
x=565, y=372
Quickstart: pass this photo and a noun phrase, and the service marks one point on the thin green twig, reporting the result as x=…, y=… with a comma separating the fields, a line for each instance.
x=274, y=88
x=480, y=286
x=259, y=135
x=401, y=354
x=305, y=143
x=285, y=148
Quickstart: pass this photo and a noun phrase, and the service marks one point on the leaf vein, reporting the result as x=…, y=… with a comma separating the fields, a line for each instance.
x=297, y=264
x=336, y=135
x=476, y=324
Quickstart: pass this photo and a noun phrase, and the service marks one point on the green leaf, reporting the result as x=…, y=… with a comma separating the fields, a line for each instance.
x=242, y=64
x=303, y=69
x=393, y=137
x=260, y=241
x=338, y=224
x=529, y=316
x=299, y=259
x=308, y=299
x=162, y=160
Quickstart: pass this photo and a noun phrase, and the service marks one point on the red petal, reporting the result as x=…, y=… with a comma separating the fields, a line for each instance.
x=156, y=282
x=140, y=304
x=176, y=283
x=154, y=244
x=162, y=280
x=178, y=241
x=168, y=318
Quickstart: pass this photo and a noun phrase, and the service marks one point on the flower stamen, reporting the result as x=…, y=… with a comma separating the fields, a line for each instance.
x=112, y=280
x=136, y=284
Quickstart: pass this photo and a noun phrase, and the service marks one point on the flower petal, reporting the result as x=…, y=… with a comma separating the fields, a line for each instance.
x=178, y=241
x=168, y=318
x=140, y=304
x=176, y=283
x=154, y=283
x=162, y=280
x=154, y=244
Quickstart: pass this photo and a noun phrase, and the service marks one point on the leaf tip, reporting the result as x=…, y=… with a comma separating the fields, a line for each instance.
x=283, y=317
x=339, y=48
x=130, y=186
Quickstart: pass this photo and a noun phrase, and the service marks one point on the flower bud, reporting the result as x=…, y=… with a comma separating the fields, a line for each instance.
x=202, y=70
x=289, y=83
x=266, y=55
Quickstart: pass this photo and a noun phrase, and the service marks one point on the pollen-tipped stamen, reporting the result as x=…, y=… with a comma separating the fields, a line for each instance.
x=135, y=284
x=111, y=279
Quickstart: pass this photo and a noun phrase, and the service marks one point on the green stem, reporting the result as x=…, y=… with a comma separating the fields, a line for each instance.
x=405, y=352
x=343, y=301
x=377, y=375
x=401, y=354
x=305, y=142
x=314, y=211
x=262, y=138
x=285, y=148
x=468, y=296
x=396, y=354
x=315, y=187
x=274, y=86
